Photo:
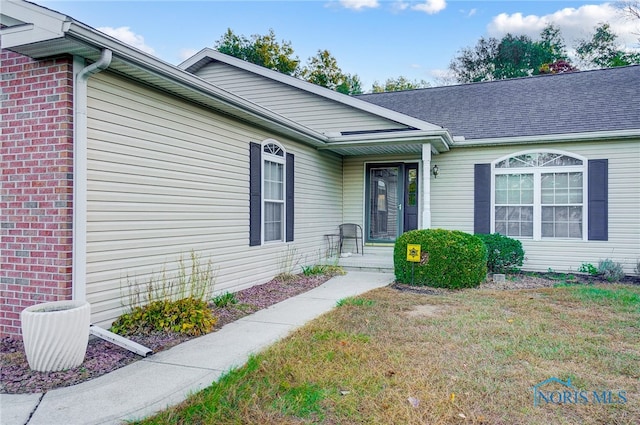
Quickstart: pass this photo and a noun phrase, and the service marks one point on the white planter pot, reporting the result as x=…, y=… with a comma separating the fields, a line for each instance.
x=56, y=334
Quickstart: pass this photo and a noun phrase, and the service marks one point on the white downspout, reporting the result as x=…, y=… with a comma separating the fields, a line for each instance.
x=426, y=186
x=79, y=261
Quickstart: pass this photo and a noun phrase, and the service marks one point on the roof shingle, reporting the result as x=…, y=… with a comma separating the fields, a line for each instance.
x=587, y=101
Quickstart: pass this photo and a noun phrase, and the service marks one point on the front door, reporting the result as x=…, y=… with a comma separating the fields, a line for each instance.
x=392, y=201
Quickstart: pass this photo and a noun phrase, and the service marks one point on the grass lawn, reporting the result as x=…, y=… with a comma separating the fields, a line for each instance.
x=472, y=356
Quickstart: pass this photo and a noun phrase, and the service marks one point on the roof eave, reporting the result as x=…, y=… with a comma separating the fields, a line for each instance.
x=309, y=87
x=592, y=136
x=159, y=67
x=440, y=140
x=26, y=39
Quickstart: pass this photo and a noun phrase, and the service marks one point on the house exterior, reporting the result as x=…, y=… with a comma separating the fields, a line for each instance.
x=550, y=160
x=115, y=164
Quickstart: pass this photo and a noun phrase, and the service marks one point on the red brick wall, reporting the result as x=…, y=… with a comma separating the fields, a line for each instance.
x=36, y=122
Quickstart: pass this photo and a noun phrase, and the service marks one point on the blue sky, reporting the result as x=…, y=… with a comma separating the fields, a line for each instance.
x=375, y=39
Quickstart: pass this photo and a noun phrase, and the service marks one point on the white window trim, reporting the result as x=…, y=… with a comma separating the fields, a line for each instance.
x=537, y=205
x=281, y=160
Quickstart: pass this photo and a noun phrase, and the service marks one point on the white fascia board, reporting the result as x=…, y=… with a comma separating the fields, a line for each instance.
x=29, y=23
x=440, y=140
x=593, y=136
x=418, y=136
x=142, y=60
x=309, y=87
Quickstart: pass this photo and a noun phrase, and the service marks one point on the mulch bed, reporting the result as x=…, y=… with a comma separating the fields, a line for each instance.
x=103, y=357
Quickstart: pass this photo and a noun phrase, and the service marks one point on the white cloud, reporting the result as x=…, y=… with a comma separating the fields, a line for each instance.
x=399, y=6
x=359, y=4
x=575, y=24
x=127, y=36
x=431, y=6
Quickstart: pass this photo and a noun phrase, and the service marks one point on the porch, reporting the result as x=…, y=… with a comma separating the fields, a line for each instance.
x=375, y=259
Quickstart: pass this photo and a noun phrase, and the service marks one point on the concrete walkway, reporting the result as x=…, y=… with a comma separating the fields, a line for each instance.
x=165, y=379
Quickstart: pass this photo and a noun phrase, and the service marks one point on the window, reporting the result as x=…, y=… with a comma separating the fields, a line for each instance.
x=271, y=185
x=539, y=195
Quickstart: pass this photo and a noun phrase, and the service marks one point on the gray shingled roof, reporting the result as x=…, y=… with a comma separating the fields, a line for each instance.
x=598, y=100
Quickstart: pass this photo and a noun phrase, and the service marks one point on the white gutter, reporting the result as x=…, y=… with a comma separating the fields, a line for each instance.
x=441, y=137
x=153, y=65
x=79, y=271
x=550, y=138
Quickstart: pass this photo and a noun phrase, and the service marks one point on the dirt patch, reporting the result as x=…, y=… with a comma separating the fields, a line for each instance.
x=425, y=310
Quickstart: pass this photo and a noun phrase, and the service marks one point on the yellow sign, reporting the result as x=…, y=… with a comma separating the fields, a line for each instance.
x=413, y=253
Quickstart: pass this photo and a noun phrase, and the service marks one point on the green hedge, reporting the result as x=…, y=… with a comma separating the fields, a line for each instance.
x=503, y=253
x=450, y=259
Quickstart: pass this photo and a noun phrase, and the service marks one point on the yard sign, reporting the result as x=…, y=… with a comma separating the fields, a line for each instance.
x=413, y=253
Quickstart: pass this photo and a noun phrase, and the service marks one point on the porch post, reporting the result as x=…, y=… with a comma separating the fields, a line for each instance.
x=426, y=186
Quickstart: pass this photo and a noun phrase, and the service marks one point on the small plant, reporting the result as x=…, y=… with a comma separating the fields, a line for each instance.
x=189, y=316
x=314, y=270
x=504, y=254
x=225, y=300
x=355, y=301
x=637, y=268
x=285, y=277
x=289, y=260
x=588, y=268
x=175, y=303
x=331, y=270
x=610, y=270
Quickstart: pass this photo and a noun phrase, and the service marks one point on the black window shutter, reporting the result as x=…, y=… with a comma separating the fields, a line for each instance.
x=482, y=198
x=255, y=196
x=289, y=200
x=598, y=199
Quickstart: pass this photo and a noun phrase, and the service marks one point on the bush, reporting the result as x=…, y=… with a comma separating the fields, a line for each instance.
x=504, y=254
x=224, y=300
x=171, y=302
x=449, y=259
x=190, y=316
x=588, y=268
x=610, y=270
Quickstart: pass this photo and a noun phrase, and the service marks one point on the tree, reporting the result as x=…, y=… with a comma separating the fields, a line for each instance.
x=323, y=70
x=601, y=50
x=557, y=67
x=263, y=50
x=631, y=9
x=510, y=57
x=475, y=64
x=398, y=84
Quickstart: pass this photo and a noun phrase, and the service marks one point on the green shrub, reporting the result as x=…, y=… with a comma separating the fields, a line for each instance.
x=588, y=268
x=190, y=316
x=504, y=254
x=170, y=302
x=449, y=259
x=223, y=300
x=315, y=270
x=610, y=270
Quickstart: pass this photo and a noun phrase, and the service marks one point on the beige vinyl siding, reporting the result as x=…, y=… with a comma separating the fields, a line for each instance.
x=452, y=203
x=313, y=111
x=166, y=177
